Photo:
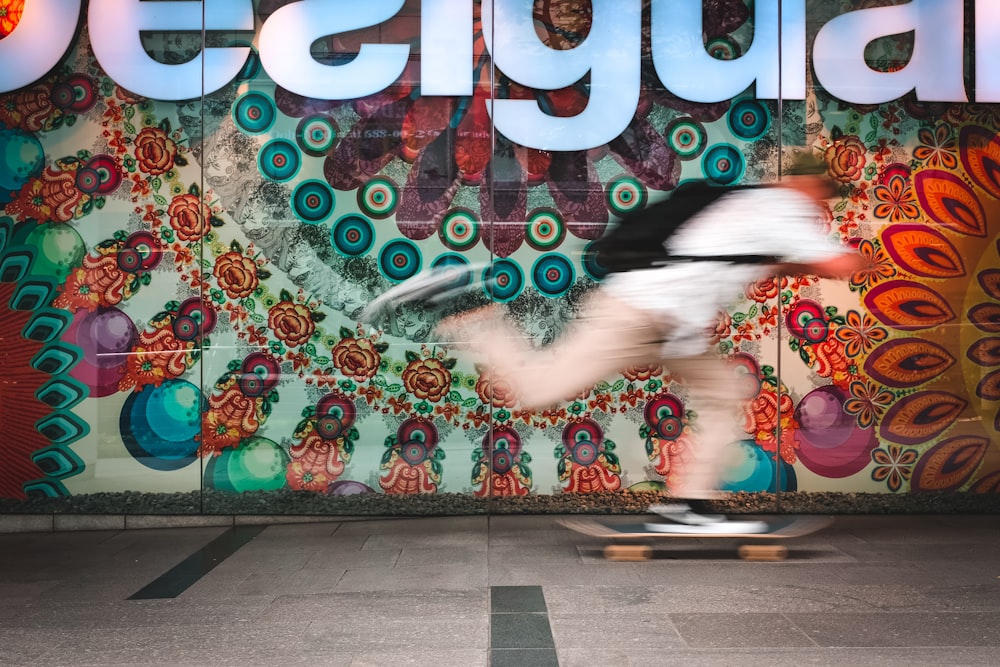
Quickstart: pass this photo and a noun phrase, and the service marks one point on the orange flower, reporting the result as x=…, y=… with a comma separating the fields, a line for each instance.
x=427, y=379
x=895, y=200
x=846, y=159
x=237, y=275
x=877, y=266
x=154, y=151
x=189, y=216
x=496, y=391
x=291, y=322
x=860, y=333
x=76, y=293
x=356, y=358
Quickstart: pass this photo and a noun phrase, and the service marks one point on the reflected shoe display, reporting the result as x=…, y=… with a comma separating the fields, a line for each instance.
x=432, y=288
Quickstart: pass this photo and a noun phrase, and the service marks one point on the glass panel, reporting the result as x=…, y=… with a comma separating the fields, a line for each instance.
x=896, y=394
x=102, y=227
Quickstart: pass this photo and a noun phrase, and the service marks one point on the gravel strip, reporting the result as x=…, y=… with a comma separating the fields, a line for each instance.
x=289, y=503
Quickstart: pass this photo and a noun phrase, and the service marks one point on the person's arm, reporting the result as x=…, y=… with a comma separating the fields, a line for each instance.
x=839, y=266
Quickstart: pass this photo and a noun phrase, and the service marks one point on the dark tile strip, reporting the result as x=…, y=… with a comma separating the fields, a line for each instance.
x=520, y=634
x=186, y=573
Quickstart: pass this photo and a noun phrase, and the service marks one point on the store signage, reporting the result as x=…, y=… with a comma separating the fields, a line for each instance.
x=610, y=54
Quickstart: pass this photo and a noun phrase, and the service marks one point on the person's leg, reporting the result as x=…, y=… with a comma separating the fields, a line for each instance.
x=608, y=336
x=717, y=397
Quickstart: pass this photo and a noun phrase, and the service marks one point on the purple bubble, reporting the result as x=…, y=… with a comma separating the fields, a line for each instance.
x=348, y=488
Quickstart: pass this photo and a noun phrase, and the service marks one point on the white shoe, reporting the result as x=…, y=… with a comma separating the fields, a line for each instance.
x=682, y=513
x=723, y=527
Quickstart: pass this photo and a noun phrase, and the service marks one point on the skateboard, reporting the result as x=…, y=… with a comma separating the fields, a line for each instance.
x=631, y=540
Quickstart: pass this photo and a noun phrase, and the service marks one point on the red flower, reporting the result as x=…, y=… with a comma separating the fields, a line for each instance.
x=189, y=216
x=154, y=151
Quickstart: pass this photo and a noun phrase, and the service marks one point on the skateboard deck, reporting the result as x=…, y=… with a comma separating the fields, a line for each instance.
x=631, y=540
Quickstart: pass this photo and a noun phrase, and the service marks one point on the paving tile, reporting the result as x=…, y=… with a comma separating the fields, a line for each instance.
x=421, y=658
x=901, y=629
x=421, y=577
x=742, y=630
x=615, y=630
x=400, y=603
x=364, y=630
x=88, y=522
x=564, y=574
x=437, y=555
x=524, y=657
x=517, y=599
x=824, y=657
x=520, y=630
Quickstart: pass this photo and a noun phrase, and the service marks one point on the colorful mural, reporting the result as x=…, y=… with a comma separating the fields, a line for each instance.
x=180, y=282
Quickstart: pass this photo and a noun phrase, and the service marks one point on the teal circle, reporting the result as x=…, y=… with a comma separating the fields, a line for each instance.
x=749, y=119
x=21, y=158
x=254, y=113
x=258, y=464
x=313, y=201
x=352, y=235
x=552, y=275
x=723, y=164
x=399, y=260
x=279, y=160
x=503, y=280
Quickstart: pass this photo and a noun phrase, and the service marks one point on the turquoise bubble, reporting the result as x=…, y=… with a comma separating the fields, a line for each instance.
x=174, y=411
x=59, y=247
x=21, y=158
x=258, y=464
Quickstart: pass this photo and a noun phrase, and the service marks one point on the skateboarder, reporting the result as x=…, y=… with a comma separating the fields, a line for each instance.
x=673, y=270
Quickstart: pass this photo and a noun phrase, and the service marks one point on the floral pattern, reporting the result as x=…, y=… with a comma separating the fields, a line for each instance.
x=189, y=255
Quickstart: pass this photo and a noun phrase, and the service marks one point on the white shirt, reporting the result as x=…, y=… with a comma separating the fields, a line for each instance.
x=687, y=295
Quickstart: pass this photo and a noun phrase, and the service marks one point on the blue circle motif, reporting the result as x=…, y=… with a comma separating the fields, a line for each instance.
x=160, y=425
x=279, y=160
x=313, y=201
x=254, y=113
x=723, y=164
x=552, y=274
x=352, y=235
x=748, y=119
x=399, y=260
x=503, y=280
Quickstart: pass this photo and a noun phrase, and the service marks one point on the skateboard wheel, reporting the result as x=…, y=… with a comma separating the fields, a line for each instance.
x=628, y=552
x=763, y=552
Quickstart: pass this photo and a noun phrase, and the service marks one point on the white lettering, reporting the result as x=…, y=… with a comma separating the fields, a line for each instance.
x=686, y=68
x=446, y=48
x=610, y=53
x=38, y=42
x=935, y=69
x=286, y=38
x=114, y=35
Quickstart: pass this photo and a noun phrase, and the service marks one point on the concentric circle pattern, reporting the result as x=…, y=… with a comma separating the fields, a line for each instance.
x=503, y=280
x=399, y=260
x=625, y=195
x=352, y=235
x=546, y=229
x=313, y=201
x=459, y=229
x=552, y=275
x=279, y=160
x=316, y=135
x=723, y=164
x=379, y=197
x=687, y=137
x=254, y=113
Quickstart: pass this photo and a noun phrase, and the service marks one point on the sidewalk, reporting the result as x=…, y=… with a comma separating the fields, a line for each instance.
x=501, y=590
